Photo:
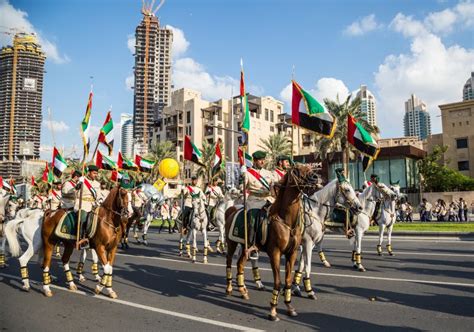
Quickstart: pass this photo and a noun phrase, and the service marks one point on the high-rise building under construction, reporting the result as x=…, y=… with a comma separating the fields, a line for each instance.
x=152, y=75
x=21, y=93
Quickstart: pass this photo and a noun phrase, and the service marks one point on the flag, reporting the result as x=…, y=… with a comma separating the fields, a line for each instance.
x=106, y=135
x=45, y=173
x=308, y=113
x=244, y=158
x=145, y=165
x=244, y=102
x=33, y=182
x=59, y=164
x=1, y=182
x=216, y=167
x=366, y=161
x=11, y=187
x=88, y=185
x=115, y=176
x=191, y=152
x=361, y=139
x=124, y=163
x=103, y=162
x=85, y=126
x=159, y=184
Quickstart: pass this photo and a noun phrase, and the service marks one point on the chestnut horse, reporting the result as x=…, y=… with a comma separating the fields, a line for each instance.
x=284, y=236
x=113, y=210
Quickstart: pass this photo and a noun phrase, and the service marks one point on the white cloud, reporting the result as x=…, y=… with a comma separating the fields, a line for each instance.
x=129, y=82
x=362, y=26
x=57, y=126
x=442, y=21
x=131, y=43
x=431, y=70
x=180, y=44
x=17, y=20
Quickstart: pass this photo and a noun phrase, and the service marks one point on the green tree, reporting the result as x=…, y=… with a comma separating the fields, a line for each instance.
x=207, y=159
x=275, y=145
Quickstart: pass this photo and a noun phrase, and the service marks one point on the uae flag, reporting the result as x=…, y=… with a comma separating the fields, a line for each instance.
x=145, y=165
x=47, y=175
x=124, y=163
x=115, y=176
x=244, y=102
x=244, y=158
x=217, y=165
x=103, y=162
x=85, y=126
x=308, y=113
x=106, y=135
x=59, y=164
x=361, y=139
x=191, y=152
x=33, y=182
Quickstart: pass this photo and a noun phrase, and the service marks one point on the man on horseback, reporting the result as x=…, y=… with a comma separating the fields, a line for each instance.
x=68, y=191
x=55, y=196
x=103, y=193
x=214, y=195
x=190, y=192
x=89, y=191
x=258, y=182
x=283, y=163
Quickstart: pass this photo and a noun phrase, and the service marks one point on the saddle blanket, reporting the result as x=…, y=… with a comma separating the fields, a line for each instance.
x=338, y=219
x=237, y=228
x=67, y=226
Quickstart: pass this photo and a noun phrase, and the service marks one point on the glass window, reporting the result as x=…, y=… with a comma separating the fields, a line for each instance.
x=266, y=114
x=382, y=169
x=463, y=165
x=461, y=143
x=271, y=116
x=397, y=172
x=188, y=117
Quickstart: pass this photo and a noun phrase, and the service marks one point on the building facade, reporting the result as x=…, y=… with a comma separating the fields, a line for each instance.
x=152, y=87
x=368, y=105
x=416, y=121
x=126, y=124
x=467, y=93
x=21, y=94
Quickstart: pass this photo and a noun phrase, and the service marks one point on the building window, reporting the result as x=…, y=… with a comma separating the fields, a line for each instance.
x=266, y=114
x=461, y=143
x=454, y=125
x=272, y=129
x=463, y=165
x=271, y=116
x=188, y=117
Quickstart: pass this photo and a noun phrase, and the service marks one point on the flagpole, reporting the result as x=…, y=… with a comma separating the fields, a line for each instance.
x=232, y=135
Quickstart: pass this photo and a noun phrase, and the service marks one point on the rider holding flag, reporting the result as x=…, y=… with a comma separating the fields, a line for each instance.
x=214, y=194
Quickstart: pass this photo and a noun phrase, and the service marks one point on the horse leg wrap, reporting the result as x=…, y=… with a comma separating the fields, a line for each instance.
x=180, y=246
x=358, y=259
x=228, y=274
x=297, y=279
x=193, y=251
x=275, y=296
x=95, y=268
x=389, y=248
x=108, y=282
x=322, y=256
x=379, y=249
x=126, y=240
x=287, y=295
x=2, y=260
x=188, y=248
x=353, y=255
x=57, y=250
x=218, y=243
x=104, y=280
x=69, y=277
x=24, y=272
x=46, y=278
x=205, y=251
x=240, y=280
x=256, y=274
x=80, y=268
x=144, y=237
x=307, y=285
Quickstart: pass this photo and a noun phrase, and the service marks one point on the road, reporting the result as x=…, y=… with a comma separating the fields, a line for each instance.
x=428, y=285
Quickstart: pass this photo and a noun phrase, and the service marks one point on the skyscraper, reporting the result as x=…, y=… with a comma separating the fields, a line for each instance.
x=126, y=122
x=152, y=76
x=467, y=93
x=368, y=105
x=417, y=120
x=21, y=93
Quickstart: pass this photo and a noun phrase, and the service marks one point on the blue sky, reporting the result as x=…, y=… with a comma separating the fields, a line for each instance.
x=394, y=47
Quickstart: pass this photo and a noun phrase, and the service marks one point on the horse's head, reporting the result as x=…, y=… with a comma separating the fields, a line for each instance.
x=303, y=177
x=386, y=192
x=12, y=207
x=124, y=202
x=346, y=194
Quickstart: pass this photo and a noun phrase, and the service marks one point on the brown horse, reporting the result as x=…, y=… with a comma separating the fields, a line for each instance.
x=113, y=210
x=284, y=237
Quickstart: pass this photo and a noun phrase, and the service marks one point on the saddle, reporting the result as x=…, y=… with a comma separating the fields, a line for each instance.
x=67, y=226
x=237, y=227
x=340, y=220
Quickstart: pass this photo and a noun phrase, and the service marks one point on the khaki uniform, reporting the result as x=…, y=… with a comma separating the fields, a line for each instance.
x=278, y=174
x=89, y=197
x=165, y=211
x=55, y=199
x=175, y=211
x=102, y=195
x=258, y=195
x=214, y=193
x=188, y=197
x=38, y=202
x=138, y=198
x=68, y=193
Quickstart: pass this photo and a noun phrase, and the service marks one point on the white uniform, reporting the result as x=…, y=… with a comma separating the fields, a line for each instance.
x=89, y=196
x=68, y=193
x=175, y=211
x=214, y=193
x=103, y=193
x=278, y=174
x=38, y=202
x=138, y=198
x=165, y=211
x=258, y=193
x=55, y=199
x=191, y=192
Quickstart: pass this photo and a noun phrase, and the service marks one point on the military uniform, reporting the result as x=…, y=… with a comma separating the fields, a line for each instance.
x=215, y=194
x=103, y=193
x=278, y=174
x=175, y=211
x=258, y=193
x=38, y=202
x=89, y=195
x=138, y=199
x=68, y=193
x=55, y=199
x=189, y=193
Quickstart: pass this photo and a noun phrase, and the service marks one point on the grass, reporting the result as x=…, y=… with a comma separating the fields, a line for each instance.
x=432, y=227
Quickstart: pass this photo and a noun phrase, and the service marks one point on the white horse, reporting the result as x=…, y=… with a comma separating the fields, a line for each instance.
x=8, y=210
x=150, y=210
x=221, y=208
x=198, y=223
x=318, y=208
x=387, y=218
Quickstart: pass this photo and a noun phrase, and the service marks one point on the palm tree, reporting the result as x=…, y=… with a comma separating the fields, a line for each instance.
x=275, y=145
x=327, y=147
x=159, y=151
x=208, y=151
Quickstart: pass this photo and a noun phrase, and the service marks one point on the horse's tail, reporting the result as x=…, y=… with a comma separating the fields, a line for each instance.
x=12, y=237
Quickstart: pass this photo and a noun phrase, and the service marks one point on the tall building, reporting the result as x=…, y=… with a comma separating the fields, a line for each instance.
x=368, y=105
x=417, y=120
x=21, y=93
x=126, y=146
x=152, y=76
x=467, y=93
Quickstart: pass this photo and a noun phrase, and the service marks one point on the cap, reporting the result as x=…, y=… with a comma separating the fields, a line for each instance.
x=92, y=168
x=259, y=154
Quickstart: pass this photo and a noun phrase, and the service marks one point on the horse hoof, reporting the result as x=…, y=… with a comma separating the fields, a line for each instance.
x=391, y=254
x=261, y=289
x=297, y=292
x=245, y=297
x=145, y=243
x=292, y=313
x=312, y=297
x=273, y=318
x=362, y=269
x=26, y=289
x=327, y=264
x=48, y=294
x=97, y=290
x=73, y=288
x=113, y=295
x=180, y=254
x=204, y=261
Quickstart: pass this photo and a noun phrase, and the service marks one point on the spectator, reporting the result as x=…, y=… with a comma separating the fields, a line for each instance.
x=452, y=215
x=408, y=212
x=462, y=212
x=441, y=210
x=425, y=210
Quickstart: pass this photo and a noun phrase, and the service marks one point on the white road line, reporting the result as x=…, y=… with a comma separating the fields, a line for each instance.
x=418, y=239
x=418, y=281
x=411, y=253
x=146, y=307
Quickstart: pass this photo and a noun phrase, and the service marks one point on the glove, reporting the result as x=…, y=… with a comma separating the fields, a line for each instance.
x=78, y=186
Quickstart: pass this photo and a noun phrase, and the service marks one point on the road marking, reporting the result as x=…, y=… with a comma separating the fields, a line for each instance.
x=398, y=238
x=418, y=281
x=410, y=253
x=146, y=307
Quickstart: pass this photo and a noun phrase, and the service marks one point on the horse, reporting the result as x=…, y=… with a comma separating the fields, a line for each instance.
x=387, y=218
x=221, y=207
x=284, y=236
x=8, y=210
x=110, y=213
x=94, y=268
x=198, y=223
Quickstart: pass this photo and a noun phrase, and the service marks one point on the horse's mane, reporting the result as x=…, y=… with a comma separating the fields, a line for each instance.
x=281, y=188
x=111, y=197
x=323, y=194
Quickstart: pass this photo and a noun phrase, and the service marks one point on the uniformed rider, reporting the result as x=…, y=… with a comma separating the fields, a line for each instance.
x=103, y=193
x=55, y=196
x=214, y=195
x=283, y=163
x=190, y=192
x=68, y=191
x=90, y=190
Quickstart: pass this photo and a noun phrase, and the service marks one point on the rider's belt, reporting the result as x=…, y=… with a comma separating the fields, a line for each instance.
x=259, y=194
x=87, y=199
x=69, y=196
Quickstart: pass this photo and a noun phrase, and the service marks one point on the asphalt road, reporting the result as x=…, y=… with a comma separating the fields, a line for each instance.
x=428, y=285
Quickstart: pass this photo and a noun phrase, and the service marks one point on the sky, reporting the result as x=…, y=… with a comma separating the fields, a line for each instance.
x=394, y=47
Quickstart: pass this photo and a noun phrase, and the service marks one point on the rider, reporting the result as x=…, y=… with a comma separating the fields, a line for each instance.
x=283, y=163
x=214, y=194
x=259, y=183
x=103, y=193
x=89, y=191
x=138, y=202
x=55, y=196
x=38, y=201
x=374, y=179
x=175, y=208
x=68, y=191
x=190, y=192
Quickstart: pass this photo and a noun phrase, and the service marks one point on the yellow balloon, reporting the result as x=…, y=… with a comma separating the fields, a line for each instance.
x=169, y=168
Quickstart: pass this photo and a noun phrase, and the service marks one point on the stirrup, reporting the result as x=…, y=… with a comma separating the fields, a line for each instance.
x=251, y=249
x=82, y=244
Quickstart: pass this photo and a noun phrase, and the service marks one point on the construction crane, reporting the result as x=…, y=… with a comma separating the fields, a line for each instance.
x=148, y=12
